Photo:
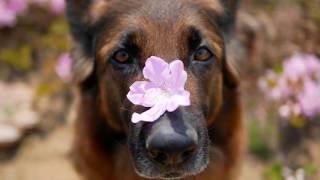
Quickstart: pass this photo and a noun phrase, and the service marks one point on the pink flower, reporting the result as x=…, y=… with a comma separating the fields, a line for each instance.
x=7, y=15
x=300, y=66
x=297, y=87
x=18, y=6
x=285, y=111
x=63, y=67
x=163, y=92
x=271, y=85
x=309, y=98
x=57, y=6
x=294, y=68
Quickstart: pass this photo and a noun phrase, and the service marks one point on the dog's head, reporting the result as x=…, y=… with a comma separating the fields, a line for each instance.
x=115, y=37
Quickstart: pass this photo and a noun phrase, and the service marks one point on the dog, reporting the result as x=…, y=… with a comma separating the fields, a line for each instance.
x=112, y=40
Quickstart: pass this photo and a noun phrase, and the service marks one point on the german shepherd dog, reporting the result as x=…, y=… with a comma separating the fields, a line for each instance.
x=113, y=39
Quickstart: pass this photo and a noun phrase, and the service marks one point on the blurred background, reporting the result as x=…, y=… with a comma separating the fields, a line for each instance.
x=276, y=49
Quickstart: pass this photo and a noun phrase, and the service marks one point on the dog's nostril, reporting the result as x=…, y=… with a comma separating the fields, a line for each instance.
x=188, y=153
x=153, y=153
x=158, y=156
x=172, y=149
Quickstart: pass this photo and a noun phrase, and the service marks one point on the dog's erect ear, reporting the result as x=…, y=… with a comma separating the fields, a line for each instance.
x=228, y=20
x=82, y=65
x=225, y=14
x=230, y=75
x=82, y=15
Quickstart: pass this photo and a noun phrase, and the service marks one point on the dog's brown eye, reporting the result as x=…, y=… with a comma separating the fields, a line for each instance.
x=202, y=54
x=121, y=56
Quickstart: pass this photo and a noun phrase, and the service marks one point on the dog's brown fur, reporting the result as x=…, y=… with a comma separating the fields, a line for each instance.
x=99, y=149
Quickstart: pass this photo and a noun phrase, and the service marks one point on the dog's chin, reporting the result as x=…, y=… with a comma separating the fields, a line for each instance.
x=150, y=170
x=171, y=175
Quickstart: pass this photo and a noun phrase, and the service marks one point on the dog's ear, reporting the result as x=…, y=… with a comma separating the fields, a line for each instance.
x=82, y=65
x=81, y=15
x=228, y=20
x=224, y=16
x=226, y=23
x=230, y=75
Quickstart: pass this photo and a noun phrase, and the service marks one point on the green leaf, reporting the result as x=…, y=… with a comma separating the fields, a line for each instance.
x=310, y=169
x=274, y=172
x=257, y=142
x=298, y=121
x=20, y=59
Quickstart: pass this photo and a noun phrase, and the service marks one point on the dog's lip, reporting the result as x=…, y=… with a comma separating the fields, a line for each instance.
x=168, y=175
x=172, y=175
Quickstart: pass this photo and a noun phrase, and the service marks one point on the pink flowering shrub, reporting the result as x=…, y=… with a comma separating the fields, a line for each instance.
x=11, y=9
x=296, y=87
x=63, y=67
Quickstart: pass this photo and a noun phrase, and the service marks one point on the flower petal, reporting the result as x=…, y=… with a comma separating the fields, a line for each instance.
x=137, y=91
x=64, y=66
x=156, y=69
x=151, y=114
x=178, y=76
x=182, y=99
x=152, y=96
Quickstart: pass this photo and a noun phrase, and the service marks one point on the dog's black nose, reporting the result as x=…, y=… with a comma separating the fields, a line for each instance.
x=171, y=148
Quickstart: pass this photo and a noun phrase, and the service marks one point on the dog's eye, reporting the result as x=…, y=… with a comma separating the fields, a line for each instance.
x=121, y=56
x=202, y=54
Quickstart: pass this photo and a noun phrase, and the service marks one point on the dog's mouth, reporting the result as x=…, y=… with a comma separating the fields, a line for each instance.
x=191, y=168
x=173, y=175
x=167, y=175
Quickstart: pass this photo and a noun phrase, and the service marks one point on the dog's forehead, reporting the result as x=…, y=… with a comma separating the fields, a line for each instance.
x=156, y=25
x=152, y=8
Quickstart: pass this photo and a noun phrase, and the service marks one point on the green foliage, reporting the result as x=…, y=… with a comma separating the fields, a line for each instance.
x=258, y=144
x=49, y=87
x=274, y=172
x=56, y=38
x=43, y=89
x=297, y=122
x=310, y=169
x=278, y=68
x=20, y=58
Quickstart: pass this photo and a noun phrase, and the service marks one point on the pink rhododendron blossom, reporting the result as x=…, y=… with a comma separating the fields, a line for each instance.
x=297, y=88
x=18, y=6
x=10, y=9
x=269, y=85
x=7, y=15
x=57, y=6
x=63, y=67
x=294, y=68
x=164, y=90
x=309, y=98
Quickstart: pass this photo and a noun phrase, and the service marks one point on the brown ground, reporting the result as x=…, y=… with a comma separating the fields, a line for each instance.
x=42, y=158
x=47, y=159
